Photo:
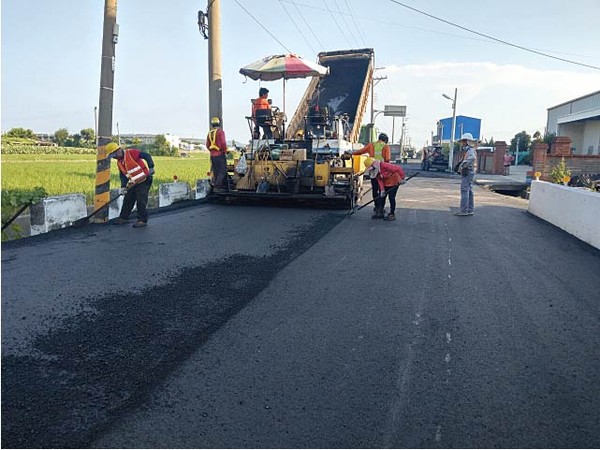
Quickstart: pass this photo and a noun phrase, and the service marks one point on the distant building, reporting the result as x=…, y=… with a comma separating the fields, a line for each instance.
x=145, y=139
x=578, y=119
x=464, y=124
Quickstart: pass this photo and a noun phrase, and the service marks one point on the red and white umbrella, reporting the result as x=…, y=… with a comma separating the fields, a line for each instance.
x=283, y=67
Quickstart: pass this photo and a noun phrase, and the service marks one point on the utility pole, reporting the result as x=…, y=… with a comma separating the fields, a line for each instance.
x=402, y=137
x=517, y=152
x=451, y=155
x=215, y=77
x=104, y=136
x=374, y=81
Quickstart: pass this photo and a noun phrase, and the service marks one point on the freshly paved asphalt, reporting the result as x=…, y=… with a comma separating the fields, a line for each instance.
x=243, y=327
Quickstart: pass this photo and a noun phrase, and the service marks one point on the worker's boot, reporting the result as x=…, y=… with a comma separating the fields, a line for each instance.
x=378, y=214
x=390, y=217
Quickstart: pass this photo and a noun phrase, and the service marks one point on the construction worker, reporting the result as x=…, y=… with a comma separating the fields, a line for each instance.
x=466, y=168
x=380, y=150
x=388, y=176
x=136, y=169
x=217, y=146
x=262, y=103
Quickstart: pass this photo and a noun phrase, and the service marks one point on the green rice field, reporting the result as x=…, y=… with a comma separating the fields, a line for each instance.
x=76, y=173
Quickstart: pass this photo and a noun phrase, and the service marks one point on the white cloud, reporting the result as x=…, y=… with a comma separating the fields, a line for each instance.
x=508, y=98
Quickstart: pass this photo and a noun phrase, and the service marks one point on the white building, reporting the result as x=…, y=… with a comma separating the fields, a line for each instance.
x=578, y=119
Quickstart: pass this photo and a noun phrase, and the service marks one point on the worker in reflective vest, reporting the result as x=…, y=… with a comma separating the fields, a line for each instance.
x=217, y=146
x=136, y=169
x=380, y=150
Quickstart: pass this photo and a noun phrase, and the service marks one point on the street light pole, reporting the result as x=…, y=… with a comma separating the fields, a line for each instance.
x=452, y=136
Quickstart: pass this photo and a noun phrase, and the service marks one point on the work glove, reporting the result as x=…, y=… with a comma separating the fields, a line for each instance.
x=122, y=191
x=151, y=172
x=382, y=194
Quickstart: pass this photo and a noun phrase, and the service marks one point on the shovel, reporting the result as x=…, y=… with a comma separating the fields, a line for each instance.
x=352, y=211
x=86, y=220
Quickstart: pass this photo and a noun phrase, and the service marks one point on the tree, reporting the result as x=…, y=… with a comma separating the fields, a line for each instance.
x=61, y=136
x=524, y=141
x=88, y=137
x=21, y=133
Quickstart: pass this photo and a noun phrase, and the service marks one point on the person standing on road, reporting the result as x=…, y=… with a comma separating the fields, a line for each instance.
x=136, y=169
x=388, y=177
x=217, y=146
x=508, y=159
x=466, y=168
x=380, y=151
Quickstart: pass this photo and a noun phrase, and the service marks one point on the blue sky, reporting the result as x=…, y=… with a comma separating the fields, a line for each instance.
x=51, y=60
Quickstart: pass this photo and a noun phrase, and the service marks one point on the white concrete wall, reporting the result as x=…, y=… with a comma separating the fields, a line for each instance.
x=203, y=188
x=169, y=193
x=57, y=212
x=575, y=210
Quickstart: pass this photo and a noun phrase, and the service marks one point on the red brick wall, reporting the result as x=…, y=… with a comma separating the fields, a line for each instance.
x=500, y=149
x=561, y=148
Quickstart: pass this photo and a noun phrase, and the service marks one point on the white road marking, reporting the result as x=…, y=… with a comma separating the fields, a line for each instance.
x=438, y=434
x=448, y=338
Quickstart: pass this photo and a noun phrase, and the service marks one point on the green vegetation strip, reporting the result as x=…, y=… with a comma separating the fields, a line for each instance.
x=76, y=173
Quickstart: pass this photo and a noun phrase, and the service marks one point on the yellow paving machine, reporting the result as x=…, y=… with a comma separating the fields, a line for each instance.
x=307, y=158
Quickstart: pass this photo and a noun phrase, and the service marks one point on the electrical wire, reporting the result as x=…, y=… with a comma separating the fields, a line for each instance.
x=360, y=31
x=309, y=27
x=263, y=27
x=333, y=16
x=399, y=25
x=342, y=16
x=297, y=27
x=493, y=38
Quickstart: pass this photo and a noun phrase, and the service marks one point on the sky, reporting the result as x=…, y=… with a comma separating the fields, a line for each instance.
x=51, y=61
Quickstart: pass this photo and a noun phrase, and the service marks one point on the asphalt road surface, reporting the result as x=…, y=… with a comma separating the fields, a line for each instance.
x=252, y=326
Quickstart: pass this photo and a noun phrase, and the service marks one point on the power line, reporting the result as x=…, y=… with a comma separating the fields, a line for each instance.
x=360, y=32
x=297, y=27
x=493, y=38
x=333, y=16
x=400, y=25
x=346, y=24
x=263, y=27
x=309, y=27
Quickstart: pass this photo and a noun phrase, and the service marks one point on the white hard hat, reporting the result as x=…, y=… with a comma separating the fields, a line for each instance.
x=467, y=136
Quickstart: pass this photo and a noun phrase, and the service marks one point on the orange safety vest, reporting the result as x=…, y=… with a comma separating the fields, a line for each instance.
x=212, y=140
x=135, y=171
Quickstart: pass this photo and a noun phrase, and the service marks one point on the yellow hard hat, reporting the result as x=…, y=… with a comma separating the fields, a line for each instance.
x=111, y=148
x=369, y=161
x=215, y=121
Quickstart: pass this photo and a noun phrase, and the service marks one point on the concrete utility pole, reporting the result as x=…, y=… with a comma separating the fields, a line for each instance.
x=215, y=78
x=452, y=134
x=517, y=151
x=104, y=135
x=374, y=81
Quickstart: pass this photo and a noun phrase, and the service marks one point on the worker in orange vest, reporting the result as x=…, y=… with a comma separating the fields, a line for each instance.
x=136, y=169
x=261, y=103
x=380, y=150
x=217, y=146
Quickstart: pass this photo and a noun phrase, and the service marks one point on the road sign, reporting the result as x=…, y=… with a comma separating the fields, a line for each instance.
x=394, y=111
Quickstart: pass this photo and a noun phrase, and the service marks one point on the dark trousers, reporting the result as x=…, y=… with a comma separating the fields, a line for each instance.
x=375, y=189
x=219, y=170
x=390, y=193
x=267, y=132
x=137, y=194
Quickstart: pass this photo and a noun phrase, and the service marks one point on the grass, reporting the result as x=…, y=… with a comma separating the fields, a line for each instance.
x=68, y=174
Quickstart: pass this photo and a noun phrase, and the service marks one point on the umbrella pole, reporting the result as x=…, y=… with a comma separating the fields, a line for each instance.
x=284, y=95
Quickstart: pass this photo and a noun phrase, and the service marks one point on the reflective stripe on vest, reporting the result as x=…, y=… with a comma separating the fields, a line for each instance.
x=212, y=140
x=133, y=170
x=378, y=150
